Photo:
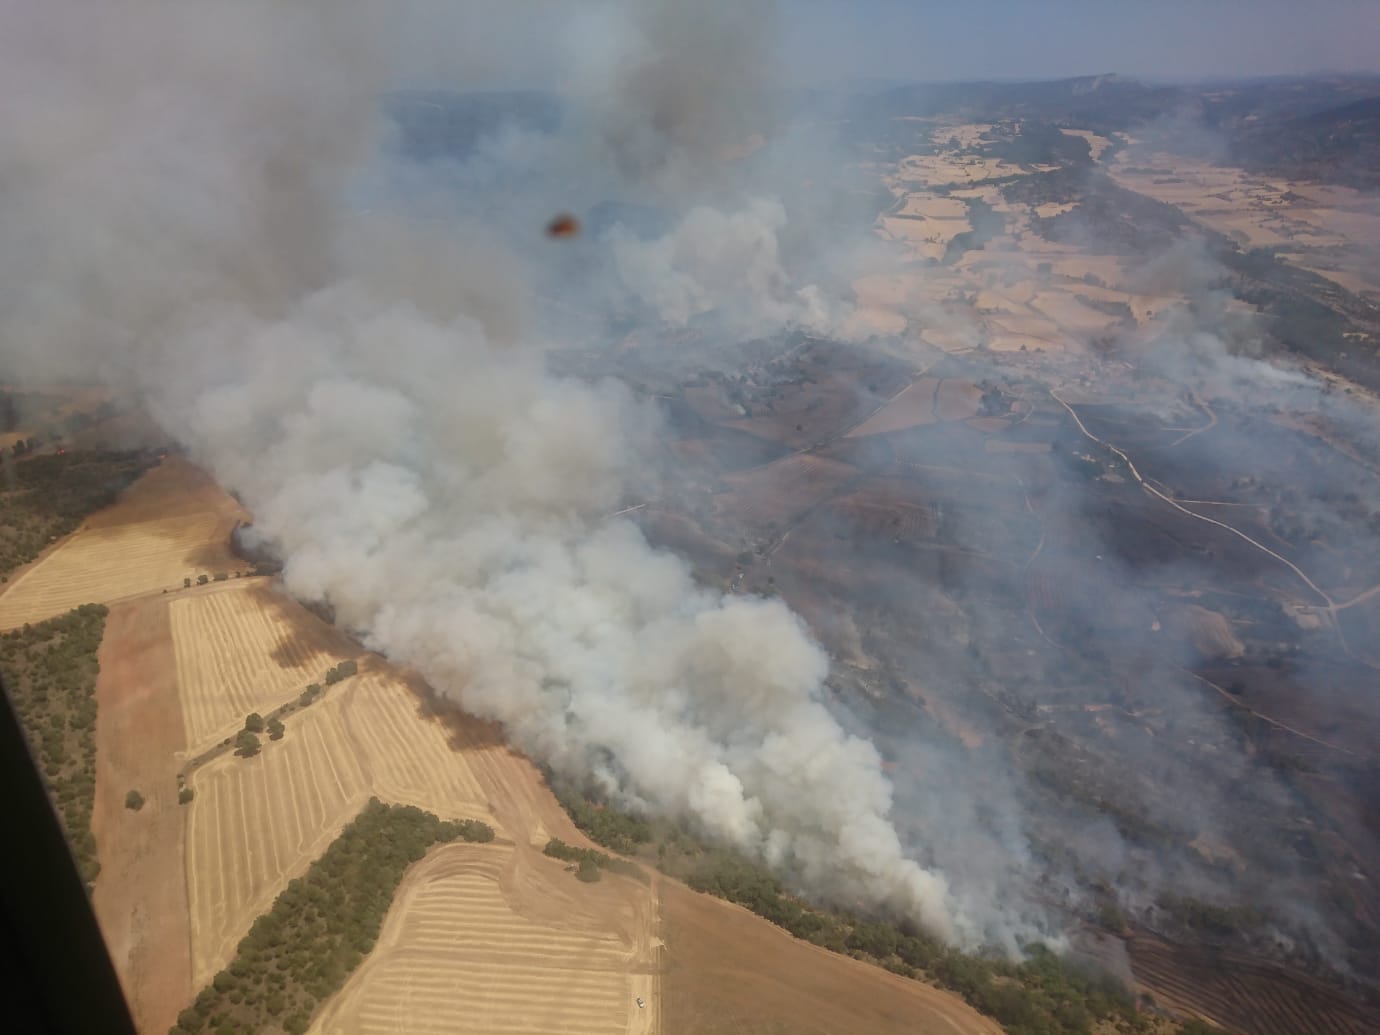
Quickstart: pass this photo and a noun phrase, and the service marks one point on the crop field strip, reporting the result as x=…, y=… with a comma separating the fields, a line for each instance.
x=458, y=953
x=108, y=563
x=256, y=823
x=1256, y=998
x=235, y=656
x=409, y=759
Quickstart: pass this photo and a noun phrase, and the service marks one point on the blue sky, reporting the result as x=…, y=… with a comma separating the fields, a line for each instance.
x=829, y=40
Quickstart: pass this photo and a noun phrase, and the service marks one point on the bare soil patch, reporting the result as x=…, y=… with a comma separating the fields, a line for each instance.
x=141, y=897
x=775, y=494
x=728, y=971
x=913, y=407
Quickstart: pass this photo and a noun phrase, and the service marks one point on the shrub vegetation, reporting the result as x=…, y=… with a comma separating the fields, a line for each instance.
x=336, y=673
x=1045, y=994
x=604, y=826
x=50, y=669
x=589, y=861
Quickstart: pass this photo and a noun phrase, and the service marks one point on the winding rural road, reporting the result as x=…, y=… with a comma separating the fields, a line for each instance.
x=1330, y=605
x=1130, y=465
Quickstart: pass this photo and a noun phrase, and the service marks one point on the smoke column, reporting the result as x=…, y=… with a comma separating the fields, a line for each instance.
x=173, y=175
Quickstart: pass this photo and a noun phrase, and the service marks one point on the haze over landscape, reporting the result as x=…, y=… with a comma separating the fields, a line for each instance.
x=941, y=519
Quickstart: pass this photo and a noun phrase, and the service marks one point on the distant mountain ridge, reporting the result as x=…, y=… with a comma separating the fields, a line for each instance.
x=1338, y=145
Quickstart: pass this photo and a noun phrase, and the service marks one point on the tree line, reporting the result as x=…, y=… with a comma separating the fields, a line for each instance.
x=299, y=953
x=590, y=863
x=1045, y=994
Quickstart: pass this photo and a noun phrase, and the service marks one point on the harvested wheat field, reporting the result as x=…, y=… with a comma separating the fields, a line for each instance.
x=500, y=938
x=956, y=400
x=256, y=823
x=1332, y=230
x=1210, y=632
x=728, y=971
x=1072, y=315
x=924, y=205
x=865, y=321
x=242, y=648
x=1009, y=333
x=927, y=239
x=960, y=169
x=174, y=522
x=1096, y=143
x=913, y=407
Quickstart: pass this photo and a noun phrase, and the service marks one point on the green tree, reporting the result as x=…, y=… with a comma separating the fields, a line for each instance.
x=134, y=800
x=185, y=795
x=275, y=729
x=254, y=722
x=346, y=668
x=246, y=744
x=588, y=870
x=201, y=580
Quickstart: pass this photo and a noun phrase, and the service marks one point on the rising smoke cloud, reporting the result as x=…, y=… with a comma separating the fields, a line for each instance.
x=176, y=172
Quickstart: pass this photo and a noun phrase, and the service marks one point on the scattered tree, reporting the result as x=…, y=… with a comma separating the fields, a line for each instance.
x=275, y=729
x=201, y=580
x=134, y=801
x=246, y=744
x=254, y=722
x=588, y=870
x=185, y=796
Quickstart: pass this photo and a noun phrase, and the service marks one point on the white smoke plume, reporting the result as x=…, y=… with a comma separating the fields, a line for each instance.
x=172, y=175
x=728, y=264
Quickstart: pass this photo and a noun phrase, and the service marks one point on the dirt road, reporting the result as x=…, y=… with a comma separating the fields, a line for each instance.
x=141, y=894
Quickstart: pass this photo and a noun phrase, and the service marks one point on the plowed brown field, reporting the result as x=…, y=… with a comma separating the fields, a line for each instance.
x=1241, y=993
x=728, y=971
x=141, y=895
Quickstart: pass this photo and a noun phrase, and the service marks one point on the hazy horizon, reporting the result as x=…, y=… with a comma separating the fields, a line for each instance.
x=1018, y=39
x=831, y=42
